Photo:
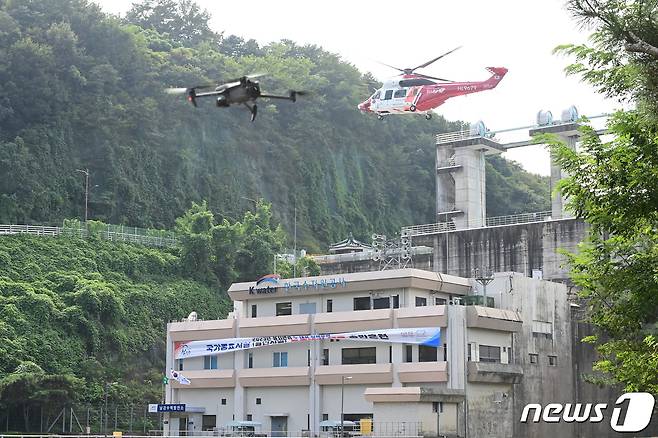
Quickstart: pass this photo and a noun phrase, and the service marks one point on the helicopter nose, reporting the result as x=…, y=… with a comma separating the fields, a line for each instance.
x=364, y=106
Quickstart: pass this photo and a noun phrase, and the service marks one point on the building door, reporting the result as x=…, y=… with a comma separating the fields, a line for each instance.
x=279, y=426
x=182, y=426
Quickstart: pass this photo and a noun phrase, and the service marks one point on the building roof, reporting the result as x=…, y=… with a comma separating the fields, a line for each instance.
x=349, y=245
x=358, y=281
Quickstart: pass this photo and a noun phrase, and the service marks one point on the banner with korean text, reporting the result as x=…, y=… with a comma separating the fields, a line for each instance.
x=430, y=336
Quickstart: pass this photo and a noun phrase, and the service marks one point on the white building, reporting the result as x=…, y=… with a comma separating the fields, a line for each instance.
x=405, y=389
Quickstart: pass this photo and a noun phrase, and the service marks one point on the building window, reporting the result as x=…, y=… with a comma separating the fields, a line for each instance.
x=470, y=349
x=489, y=353
x=408, y=353
x=308, y=358
x=280, y=359
x=390, y=354
x=258, y=400
x=208, y=422
x=421, y=301
x=396, y=301
x=381, y=303
x=439, y=301
x=254, y=310
x=209, y=362
x=552, y=361
x=427, y=354
x=325, y=417
x=179, y=364
x=362, y=355
x=445, y=352
x=223, y=402
x=307, y=309
x=250, y=360
x=325, y=356
x=249, y=417
x=534, y=358
x=437, y=407
x=330, y=306
x=283, y=309
x=362, y=303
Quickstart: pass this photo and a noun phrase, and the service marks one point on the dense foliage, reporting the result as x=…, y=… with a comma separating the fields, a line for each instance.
x=76, y=313
x=614, y=187
x=82, y=90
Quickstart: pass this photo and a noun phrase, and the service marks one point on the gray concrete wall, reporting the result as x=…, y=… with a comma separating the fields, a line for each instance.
x=519, y=248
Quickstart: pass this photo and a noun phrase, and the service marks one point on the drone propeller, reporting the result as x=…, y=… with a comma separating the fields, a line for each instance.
x=245, y=78
x=176, y=90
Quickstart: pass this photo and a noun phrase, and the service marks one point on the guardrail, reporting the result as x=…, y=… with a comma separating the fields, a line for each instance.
x=495, y=221
x=107, y=234
x=464, y=134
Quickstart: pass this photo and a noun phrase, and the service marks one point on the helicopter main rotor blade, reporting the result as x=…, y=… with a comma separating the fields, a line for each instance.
x=436, y=59
x=390, y=66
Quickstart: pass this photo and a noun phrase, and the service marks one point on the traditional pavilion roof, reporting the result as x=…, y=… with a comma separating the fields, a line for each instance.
x=348, y=245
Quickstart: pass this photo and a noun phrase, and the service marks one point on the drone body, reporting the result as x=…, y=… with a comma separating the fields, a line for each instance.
x=417, y=93
x=243, y=91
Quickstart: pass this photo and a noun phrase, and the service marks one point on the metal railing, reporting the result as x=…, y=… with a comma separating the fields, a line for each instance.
x=519, y=218
x=425, y=229
x=464, y=134
x=512, y=219
x=107, y=232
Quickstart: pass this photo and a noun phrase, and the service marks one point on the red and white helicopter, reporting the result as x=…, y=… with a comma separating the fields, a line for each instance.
x=417, y=93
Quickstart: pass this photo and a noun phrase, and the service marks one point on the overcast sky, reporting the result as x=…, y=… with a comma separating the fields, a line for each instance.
x=517, y=34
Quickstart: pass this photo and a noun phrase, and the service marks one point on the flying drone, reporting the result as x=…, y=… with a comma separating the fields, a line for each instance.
x=244, y=90
x=419, y=93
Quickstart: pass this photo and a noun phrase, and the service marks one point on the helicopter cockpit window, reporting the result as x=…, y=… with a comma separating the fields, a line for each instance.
x=388, y=94
x=376, y=95
x=400, y=93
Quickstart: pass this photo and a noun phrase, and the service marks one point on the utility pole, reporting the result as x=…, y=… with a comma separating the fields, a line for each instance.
x=86, y=174
x=294, y=244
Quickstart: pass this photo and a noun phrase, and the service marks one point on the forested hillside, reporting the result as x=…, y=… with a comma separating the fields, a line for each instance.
x=80, y=89
x=75, y=314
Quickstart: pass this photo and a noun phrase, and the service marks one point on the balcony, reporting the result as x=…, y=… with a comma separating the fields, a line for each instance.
x=493, y=372
x=428, y=316
x=361, y=374
x=493, y=319
x=200, y=330
x=207, y=379
x=275, y=326
x=283, y=376
x=418, y=372
x=340, y=322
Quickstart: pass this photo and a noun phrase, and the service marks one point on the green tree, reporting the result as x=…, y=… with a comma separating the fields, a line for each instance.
x=181, y=20
x=613, y=186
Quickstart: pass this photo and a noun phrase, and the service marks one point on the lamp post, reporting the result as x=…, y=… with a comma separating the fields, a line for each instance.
x=86, y=174
x=107, y=387
x=342, y=399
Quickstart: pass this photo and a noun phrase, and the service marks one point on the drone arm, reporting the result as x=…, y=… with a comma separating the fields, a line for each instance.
x=210, y=93
x=273, y=96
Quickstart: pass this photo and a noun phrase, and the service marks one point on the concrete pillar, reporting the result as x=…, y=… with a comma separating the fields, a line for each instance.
x=558, y=210
x=169, y=365
x=470, y=194
x=445, y=184
x=239, y=359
